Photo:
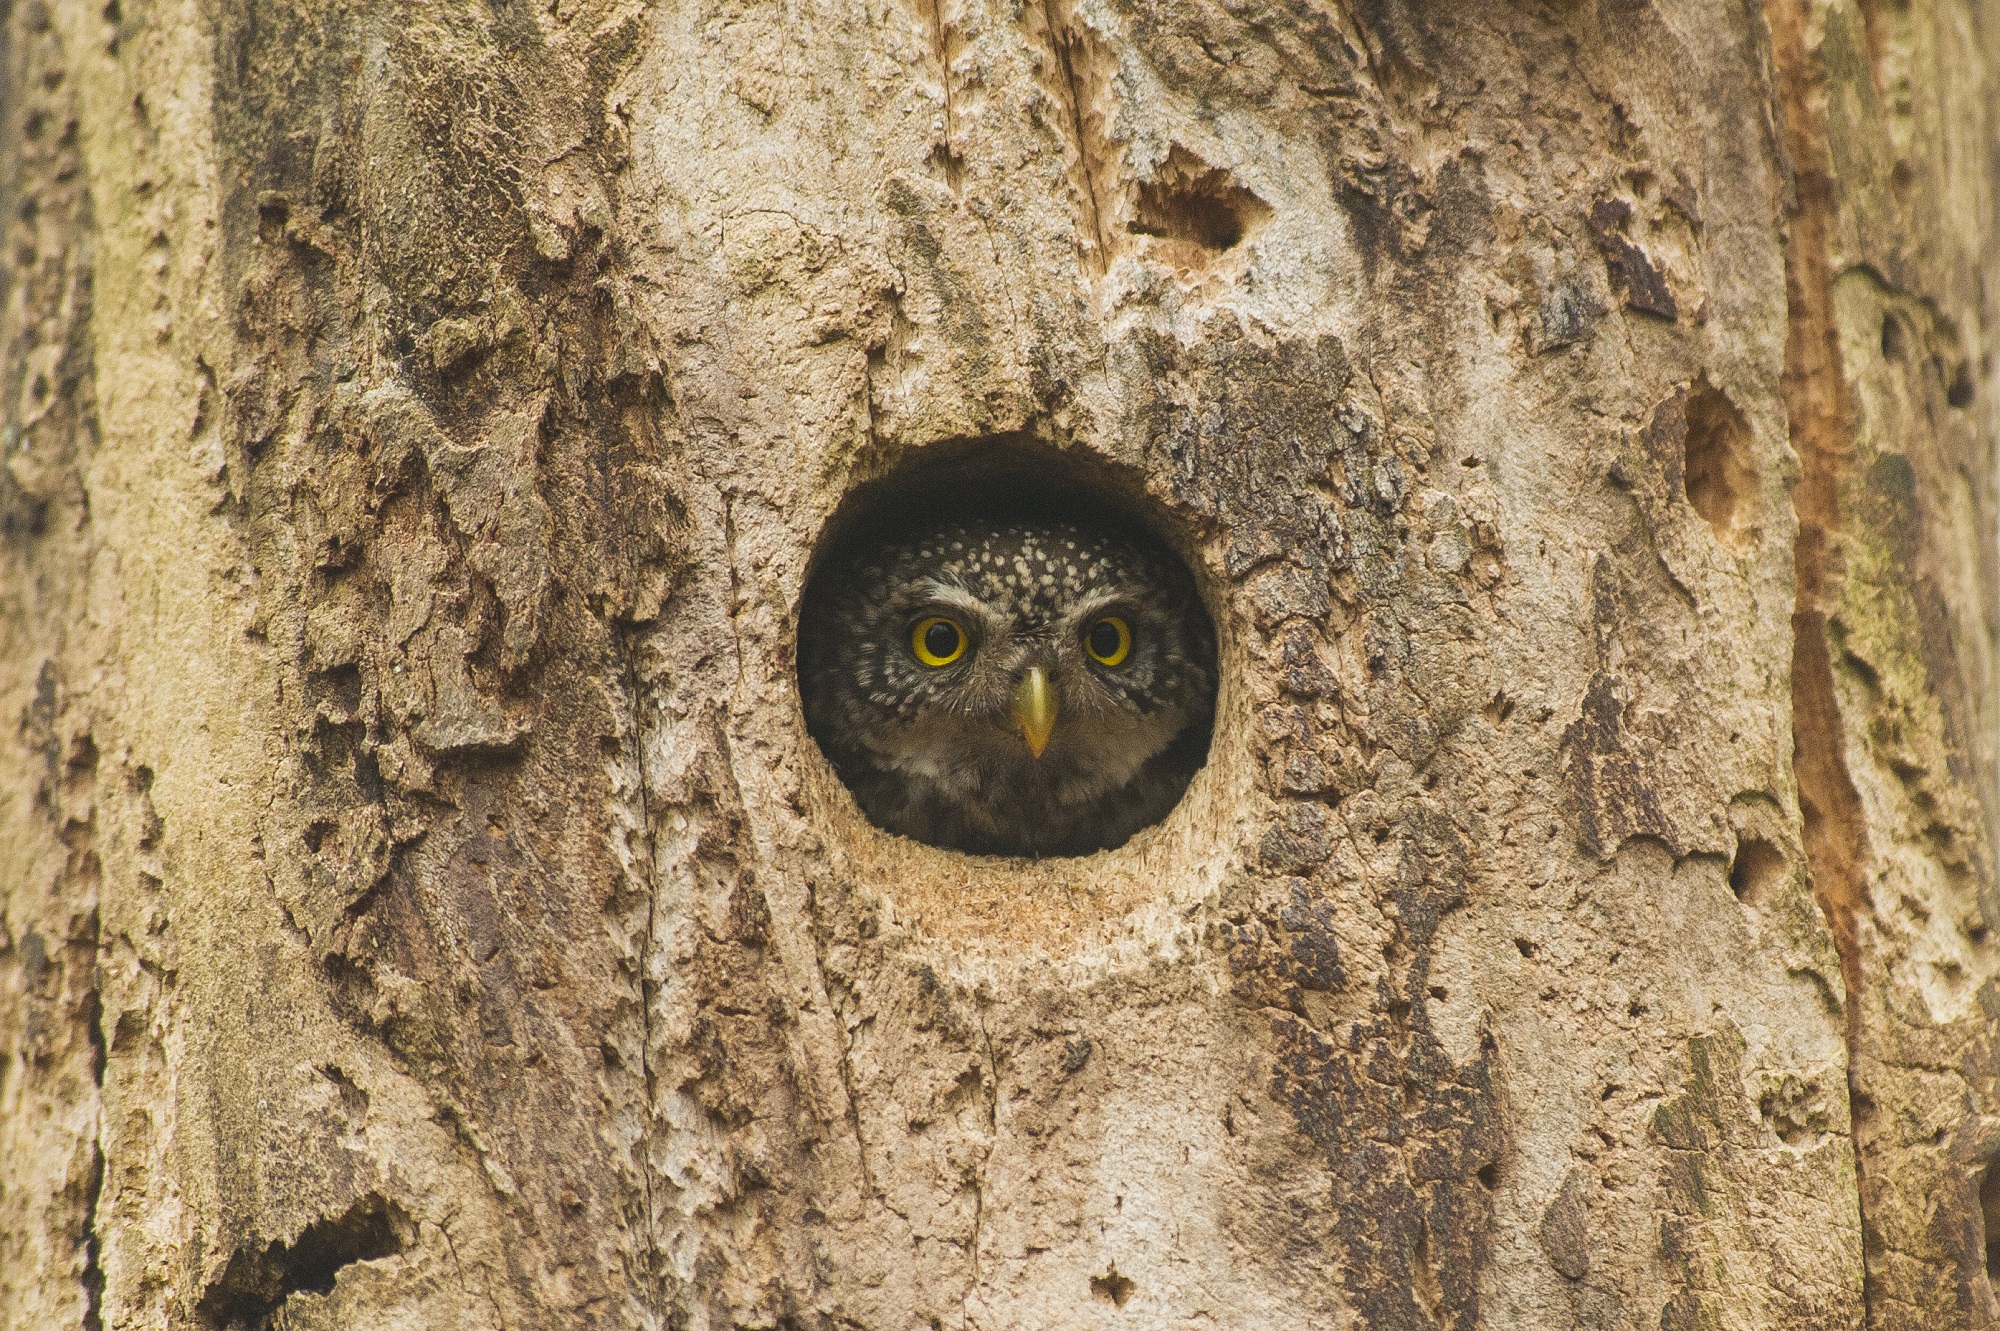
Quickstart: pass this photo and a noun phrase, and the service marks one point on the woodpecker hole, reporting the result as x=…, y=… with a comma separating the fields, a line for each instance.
x=1721, y=477
x=1196, y=208
x=1758, y=872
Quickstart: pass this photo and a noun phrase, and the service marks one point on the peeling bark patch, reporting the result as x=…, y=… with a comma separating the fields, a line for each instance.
x=1608, y=775
x=456, y=502
x=1411, y=1139
x=1261, y=460
x=1633, y=275
x=1565, y=315
x=1407, y=1136
x=1564, y=1230
x=48, y=378
x=256, y=1283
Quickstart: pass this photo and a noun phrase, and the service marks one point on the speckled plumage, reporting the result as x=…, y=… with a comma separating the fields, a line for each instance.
x=934, y=753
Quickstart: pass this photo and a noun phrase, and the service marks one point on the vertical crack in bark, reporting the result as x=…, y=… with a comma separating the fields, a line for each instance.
x=93, y=1269
x=846, y=1042
x=945, y=45
x=1070, y=87
x=1828, y=804
x=1816, y=400
x=485, y=1291
x=655, y=1250
x=979, y=1172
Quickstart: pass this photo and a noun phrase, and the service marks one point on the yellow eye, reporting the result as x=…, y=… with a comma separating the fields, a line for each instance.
x=1109, y=641
x=937, y=641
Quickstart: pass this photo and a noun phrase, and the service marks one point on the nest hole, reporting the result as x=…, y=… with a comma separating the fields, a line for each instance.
x=1004, y=650
x=1193, y=204
x=1721, y=477
x=1758, y=872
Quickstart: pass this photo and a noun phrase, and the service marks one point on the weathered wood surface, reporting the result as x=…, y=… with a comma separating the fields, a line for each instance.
x=419, y=902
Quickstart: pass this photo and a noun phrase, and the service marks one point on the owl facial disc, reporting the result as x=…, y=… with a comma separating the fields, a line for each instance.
x=939, y=662
x=1034, y=706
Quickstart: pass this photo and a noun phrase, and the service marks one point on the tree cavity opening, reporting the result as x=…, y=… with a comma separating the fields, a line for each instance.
x=1758, y=872
x=1721, y=477
x=1003, y=651
x=1188, y=200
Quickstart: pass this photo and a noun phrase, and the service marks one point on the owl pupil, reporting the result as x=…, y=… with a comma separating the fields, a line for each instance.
x=941, y=639
x=1103, y=638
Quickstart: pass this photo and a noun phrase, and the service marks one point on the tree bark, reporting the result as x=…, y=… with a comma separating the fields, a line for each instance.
x=424, y=906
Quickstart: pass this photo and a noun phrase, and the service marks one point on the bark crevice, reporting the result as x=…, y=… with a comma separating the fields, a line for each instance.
x=1816, y=403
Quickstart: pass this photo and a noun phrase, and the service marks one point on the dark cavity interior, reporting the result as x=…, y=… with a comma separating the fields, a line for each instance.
x=1002, y=480
x=1989, y=1211
x=1188, y=200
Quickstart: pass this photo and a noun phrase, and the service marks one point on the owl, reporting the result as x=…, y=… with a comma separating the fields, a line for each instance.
x=1009, y=687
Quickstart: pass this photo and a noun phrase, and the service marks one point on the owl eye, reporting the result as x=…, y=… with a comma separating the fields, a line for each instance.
x=1109, y=641
x=937, y=641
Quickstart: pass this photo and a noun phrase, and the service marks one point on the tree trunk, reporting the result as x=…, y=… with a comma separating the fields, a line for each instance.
x=425, y=907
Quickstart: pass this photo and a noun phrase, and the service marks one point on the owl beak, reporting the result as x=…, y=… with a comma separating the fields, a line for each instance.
x=1035, y=709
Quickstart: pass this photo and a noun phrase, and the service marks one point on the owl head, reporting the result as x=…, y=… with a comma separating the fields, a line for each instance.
x=1010, y=687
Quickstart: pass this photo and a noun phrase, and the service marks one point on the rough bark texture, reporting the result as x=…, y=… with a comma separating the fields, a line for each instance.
x=421, y=906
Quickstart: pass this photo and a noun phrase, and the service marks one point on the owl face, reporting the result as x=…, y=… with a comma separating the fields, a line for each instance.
x=1015, y=688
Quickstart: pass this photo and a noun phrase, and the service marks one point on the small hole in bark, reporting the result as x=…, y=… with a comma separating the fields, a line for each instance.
x=1526, y=948
x=1895, y=341
x=1721, y=478
x=340, y=685
x=1190, y=202
x=1489, y=1176
x=1758, y=871
x=1002, y=653
x=1959, y=392
x=1112, y=1286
